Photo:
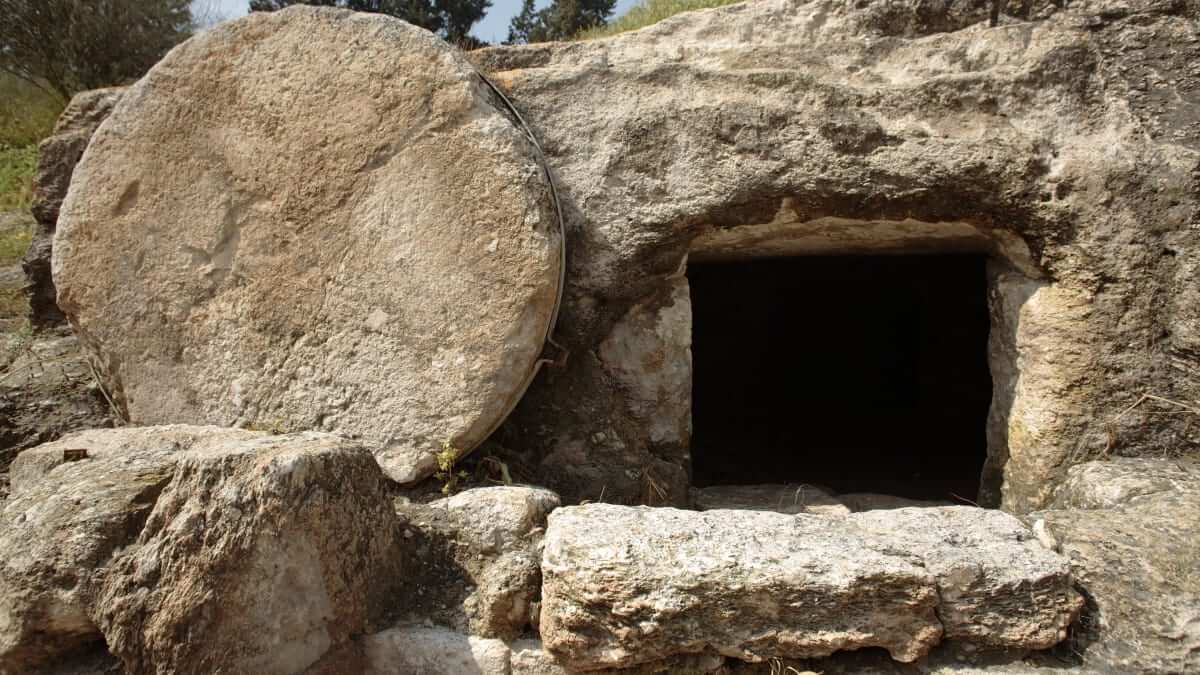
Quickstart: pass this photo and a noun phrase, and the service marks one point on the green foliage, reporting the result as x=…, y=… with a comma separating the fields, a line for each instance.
x=13, y=243
x=446, y=473
x=16, y=182
x=451, y=19
x=648, y=12
x=27, y=113
x=67, y=46
x=562, y=20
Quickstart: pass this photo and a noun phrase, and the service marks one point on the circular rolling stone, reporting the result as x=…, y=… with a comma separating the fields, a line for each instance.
x=314, y=219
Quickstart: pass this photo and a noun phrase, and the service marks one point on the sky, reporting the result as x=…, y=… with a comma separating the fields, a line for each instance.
x=493, y=27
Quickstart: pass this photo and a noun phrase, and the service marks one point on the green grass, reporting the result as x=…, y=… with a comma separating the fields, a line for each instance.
x=27, y=115
x=16, y=177
x=13, y=243
x=649, y=12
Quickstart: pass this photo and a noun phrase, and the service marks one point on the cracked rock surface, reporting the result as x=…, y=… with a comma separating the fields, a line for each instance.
x=626, y=585
x=1131, y=530
x=474, y=559
x=193, y=549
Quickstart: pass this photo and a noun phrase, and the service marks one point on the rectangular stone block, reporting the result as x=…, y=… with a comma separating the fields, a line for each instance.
x=630, y=585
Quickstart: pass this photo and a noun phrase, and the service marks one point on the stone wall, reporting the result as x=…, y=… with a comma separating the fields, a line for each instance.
x=1065, y=145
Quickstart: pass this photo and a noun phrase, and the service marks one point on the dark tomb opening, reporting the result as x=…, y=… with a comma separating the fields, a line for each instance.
x=857, y=373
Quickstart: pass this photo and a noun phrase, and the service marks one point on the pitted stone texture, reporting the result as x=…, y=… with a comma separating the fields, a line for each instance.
x=1063, y=141
x=275, y=230
x=433, y=650
x=57, y=157
x=61, y=151
x=857, y=502
x=530, y=658
x=648, y=354
x=998, y=587
x=473, y=559
x=623, y=586
x=266, y=550
x=1102, y=485
x=1134, y=555
x=60, y=527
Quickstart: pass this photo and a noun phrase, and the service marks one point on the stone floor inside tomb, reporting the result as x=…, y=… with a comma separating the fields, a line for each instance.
x=854, y=373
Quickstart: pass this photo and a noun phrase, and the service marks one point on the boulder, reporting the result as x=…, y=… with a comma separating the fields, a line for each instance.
x=623, y=586
x=57, y=157
x=193, y=549
x=1134, y=556
x=60, y=531
x=274, y=231
x=474, y=559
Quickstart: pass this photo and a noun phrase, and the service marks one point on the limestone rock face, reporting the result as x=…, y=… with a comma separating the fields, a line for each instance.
x=266, y=550
x=1103, y=485
x=61, y=151
x=432, y=649
x=1064, y=143
x=474, y=559
x=46, y=391
x=60, y=530
x=997, y=586
x=57, y=157
x=529, y=658
x=1133, y=553
x=623, y=586
x=277, y=231
x=648, y=356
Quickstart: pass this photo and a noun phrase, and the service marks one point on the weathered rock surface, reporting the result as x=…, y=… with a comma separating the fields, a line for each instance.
x=867, y=501
x=46, y=390
x=530, y=658
x=193, y=549
x=57, y=157
x=1065, y=142
x=433, y=650
x=59, y=532
x=648, y=357
x=623, y=586
x=997, y=586
x=777, y=498
x=798, y=498
x=1121, y=480
x=272, y=230
x=474, y=559
x=1134, y=555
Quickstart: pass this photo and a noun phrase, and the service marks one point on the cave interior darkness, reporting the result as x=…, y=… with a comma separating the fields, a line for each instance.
x=856, y=373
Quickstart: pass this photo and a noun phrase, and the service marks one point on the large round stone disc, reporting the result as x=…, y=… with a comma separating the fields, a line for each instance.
x=314, y=219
